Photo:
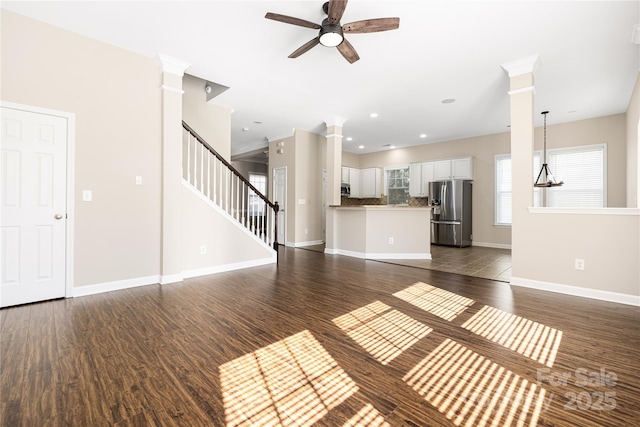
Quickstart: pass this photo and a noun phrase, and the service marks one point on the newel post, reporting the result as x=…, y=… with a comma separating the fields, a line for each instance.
x=276, y=208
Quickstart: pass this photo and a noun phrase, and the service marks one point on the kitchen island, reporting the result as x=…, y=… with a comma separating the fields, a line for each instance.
x=379, y=232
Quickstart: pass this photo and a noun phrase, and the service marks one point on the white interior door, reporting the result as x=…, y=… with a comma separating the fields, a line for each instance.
x=33, y=201
x=280, y=196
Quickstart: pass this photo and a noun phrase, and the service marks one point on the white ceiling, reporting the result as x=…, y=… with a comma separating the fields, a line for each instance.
x=443, y=49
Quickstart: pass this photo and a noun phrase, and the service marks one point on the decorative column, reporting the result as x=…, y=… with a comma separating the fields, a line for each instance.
x=334, y=177
x=522, y=103
x=171, y=243
x=334, y=159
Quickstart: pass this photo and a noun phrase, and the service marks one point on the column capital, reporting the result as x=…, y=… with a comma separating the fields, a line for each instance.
x=517, y=67
x=334, y=121
x=173, y=65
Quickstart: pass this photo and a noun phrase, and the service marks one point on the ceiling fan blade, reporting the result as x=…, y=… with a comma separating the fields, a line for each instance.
x=291, y=20
x=305, y=47
x=371, y=25
x=336, y=9
x=347, y=50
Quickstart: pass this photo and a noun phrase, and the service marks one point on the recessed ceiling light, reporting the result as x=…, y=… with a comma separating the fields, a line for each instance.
x=423, y=135
x=361, y=146
x=349, y=139
x=392, y=147
x=448, y=101
x=245, y=129
x=373, y=115
x=572, y=111
x=258, y=122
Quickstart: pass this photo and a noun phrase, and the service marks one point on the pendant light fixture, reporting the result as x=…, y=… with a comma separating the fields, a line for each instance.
x=545, y=177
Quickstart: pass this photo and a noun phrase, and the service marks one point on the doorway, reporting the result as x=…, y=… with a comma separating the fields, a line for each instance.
x=36, y=238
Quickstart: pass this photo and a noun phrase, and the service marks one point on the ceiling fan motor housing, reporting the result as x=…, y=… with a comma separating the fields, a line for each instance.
x=330, y=34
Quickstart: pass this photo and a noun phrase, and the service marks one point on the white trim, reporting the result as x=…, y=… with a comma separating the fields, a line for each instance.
x=172, y=89
x=310, y=243
x=334, y=135
x=378, y=256
x=171, y=278
x=521, y=90
x=117, y=285
x=335, y=121
x=491, y=245
x=173, y=65
x=70, y=177
x=229, y=267
x=577, y=291
x=521, y=66
x=585, y=211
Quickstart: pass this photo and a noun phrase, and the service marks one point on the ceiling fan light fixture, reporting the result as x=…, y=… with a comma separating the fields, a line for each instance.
x=330, y=35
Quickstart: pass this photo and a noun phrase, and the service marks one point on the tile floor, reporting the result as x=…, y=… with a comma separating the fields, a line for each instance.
x=476, y=261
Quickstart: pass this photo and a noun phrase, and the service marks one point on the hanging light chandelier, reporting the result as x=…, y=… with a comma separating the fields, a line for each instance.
x=545, y=177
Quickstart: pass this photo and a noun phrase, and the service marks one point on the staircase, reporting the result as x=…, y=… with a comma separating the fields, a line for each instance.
x=220, y=182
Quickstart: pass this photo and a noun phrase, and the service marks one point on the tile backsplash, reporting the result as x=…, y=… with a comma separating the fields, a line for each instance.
x=413, y=201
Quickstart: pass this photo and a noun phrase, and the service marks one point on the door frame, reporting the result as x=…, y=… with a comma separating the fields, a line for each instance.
x=70, y=176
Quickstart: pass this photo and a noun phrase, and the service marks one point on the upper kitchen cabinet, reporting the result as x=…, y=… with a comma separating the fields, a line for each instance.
x=461, y=168
x=420, y=175
x=354, y=182
x=370, y=183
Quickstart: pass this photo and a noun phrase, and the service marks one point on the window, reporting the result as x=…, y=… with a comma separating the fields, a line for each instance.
x=583, y=171
x=398, y=186
x=256, y=204
x=581, y=168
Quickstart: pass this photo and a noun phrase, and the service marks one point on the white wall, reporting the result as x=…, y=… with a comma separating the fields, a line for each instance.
x=116, y=97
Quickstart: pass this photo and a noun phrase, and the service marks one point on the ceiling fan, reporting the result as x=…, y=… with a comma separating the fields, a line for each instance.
x=332, y=32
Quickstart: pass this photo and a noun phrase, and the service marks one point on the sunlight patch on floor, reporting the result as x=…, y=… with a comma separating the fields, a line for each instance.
x=531, y=339
x=294, y=381
x=444, y=304
x=367, y=417
x=383, y=332
x=471, y=390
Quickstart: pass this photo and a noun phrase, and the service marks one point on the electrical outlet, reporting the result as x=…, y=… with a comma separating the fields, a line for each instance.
x=391, y=240
x=579, y=264
x=203, y=249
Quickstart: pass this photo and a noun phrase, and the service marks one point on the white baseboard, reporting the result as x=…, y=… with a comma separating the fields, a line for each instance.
x=491, y=245
x=311, y=243
x=229, y=267
x=171, y=278
x=118, y=285
x=577, y=291
x=378, y=256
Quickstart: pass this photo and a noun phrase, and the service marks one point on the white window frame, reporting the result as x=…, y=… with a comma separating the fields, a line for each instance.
x=252, y=195
x=386, y=179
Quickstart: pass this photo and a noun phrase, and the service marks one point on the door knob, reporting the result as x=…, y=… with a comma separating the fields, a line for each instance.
x=58, y=216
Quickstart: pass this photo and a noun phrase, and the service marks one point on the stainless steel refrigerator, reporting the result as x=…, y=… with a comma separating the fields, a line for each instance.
x=451, y=212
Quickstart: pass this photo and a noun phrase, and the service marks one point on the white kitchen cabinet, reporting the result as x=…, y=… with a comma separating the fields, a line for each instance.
x=462, y=168
x=441, y=170
x=354, y=182
x=370, y=183
x=420, y=175
x=345, y=174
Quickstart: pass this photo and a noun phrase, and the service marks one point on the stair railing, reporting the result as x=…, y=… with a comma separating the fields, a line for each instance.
x=219, y=181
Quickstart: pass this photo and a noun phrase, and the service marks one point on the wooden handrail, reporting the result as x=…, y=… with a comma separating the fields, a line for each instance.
x=230, y=166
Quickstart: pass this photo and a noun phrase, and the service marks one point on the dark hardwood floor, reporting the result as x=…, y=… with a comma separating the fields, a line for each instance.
x=321, y=340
